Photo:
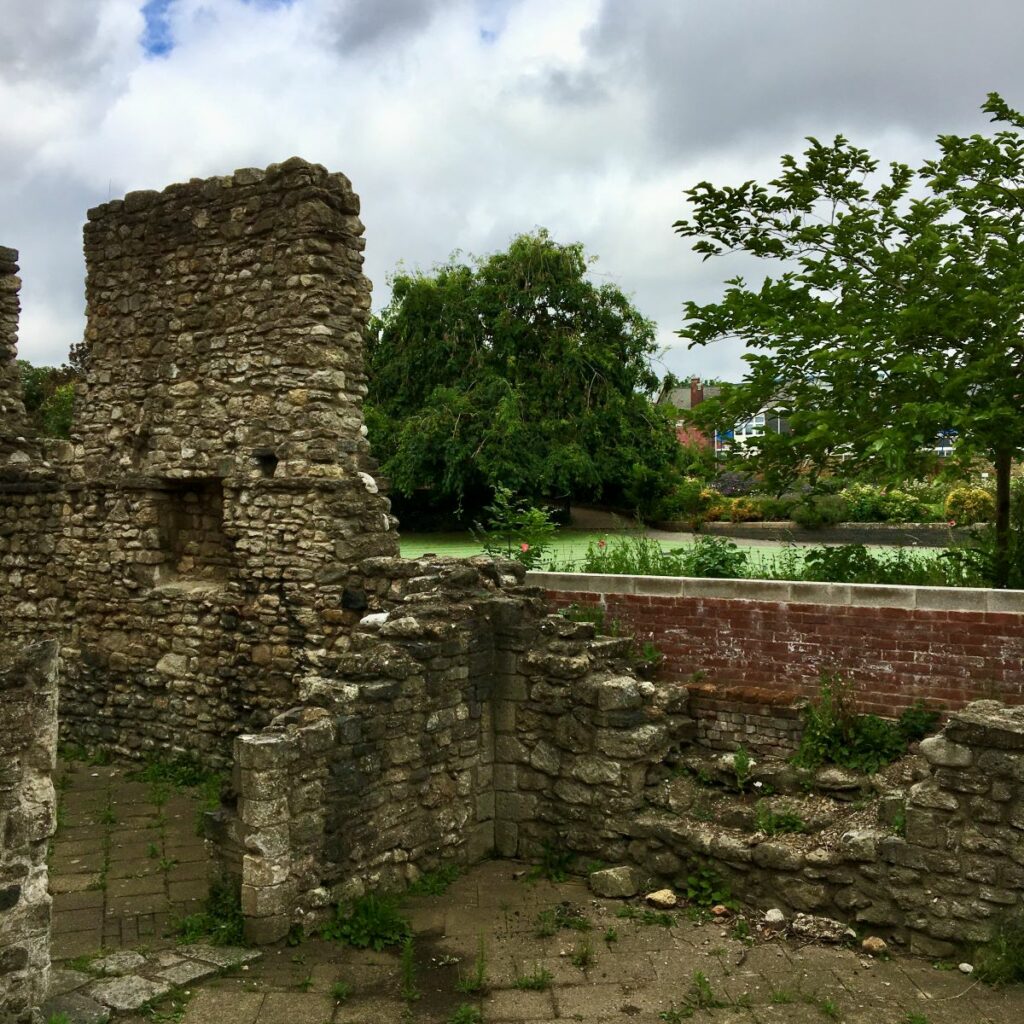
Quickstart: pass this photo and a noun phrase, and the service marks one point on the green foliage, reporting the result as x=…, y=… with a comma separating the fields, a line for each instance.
x=515, y=530
x=371, y=921
x=538, y=980
x=641, y=556
x=514, y=370
x=741, y=766
x=49, y=396
x=583, y=955
x=407, y=971
x=646, y=917
x=819, y=510
x=977, y=563
x=705, y=888
x=834, y=733
x=556, y=862
x=475, y=982
x=220, y=921
x=341, y=991
x=887, y=325
x=1001, y=960
x=58, y=1018
x=434, y=883
x=562, y=915
x=701, y=996
x=966, y=506
x=777, y=822
x=466, y=1014
x=867, y=503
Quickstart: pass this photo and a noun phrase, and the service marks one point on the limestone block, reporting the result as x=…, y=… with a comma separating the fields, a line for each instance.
x=943, y=752
x=621, y=882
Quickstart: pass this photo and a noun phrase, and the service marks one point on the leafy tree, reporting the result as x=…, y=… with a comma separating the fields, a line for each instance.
x=48, y=393
x=897, y=313
x=516, y=371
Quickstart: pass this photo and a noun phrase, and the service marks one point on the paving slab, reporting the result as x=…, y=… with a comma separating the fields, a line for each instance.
x=127, y=993
x=216, y=1006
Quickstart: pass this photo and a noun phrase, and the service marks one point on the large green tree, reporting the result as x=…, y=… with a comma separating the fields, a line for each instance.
x=897, y=312
x=518, y=371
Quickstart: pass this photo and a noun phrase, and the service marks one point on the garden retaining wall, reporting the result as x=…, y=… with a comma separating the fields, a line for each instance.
x=753, y=649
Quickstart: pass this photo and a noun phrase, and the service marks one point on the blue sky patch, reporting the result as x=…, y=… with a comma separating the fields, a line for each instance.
x=157, y=40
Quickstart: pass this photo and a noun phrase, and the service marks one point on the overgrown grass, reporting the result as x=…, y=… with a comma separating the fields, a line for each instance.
x=835, y=733
x=220, y=921
x=372, y=921
x=1001, y=960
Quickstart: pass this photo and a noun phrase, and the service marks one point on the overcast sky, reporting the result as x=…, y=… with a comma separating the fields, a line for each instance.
x=464, y=122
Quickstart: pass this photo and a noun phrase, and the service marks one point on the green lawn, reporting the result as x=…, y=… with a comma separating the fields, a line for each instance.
x=570, y=545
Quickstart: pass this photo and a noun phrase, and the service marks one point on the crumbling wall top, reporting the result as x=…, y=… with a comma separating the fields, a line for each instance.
x=224, y=334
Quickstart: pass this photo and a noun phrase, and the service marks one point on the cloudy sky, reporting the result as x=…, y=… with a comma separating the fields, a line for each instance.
x=463, y=122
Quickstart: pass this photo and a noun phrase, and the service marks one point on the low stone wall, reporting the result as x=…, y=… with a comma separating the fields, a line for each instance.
x=896, y=645
x=933, y=876
x=28, y=744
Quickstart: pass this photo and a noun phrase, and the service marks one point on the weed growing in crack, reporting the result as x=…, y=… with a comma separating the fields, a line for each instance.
x=372, y=921
x=410, y=993
x=539, y=980
x=476, y=981
x=583, y=955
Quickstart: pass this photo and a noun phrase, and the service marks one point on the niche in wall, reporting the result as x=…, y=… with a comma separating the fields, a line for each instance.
x=191, y=528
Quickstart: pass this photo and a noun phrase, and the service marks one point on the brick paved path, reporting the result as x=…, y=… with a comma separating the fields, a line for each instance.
x=125, y=862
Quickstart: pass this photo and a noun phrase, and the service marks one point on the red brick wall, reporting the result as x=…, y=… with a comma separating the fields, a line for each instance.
x=774, y=651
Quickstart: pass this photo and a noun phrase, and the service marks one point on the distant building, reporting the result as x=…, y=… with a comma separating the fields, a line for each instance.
x=684, y=399
x=687, y=398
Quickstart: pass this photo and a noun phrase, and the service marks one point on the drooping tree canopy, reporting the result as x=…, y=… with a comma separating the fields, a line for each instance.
x=897, y=315
x=515, y=371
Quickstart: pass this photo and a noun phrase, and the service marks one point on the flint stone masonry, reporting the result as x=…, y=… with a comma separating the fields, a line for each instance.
x=184, y=545
x=28, y=744
x=12, y=411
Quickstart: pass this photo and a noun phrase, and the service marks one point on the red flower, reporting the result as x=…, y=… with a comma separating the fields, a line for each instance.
x=524, y=546
x=952, y=522
x=601, y=543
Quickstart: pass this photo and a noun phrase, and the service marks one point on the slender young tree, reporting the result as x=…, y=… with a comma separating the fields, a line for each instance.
x=897, y=312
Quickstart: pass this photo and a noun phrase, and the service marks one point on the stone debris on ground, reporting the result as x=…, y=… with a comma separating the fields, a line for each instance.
x=663, y=899
x=127, y=981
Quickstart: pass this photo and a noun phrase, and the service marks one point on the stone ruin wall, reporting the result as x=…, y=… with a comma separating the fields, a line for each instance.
x=191, y=548
x=28, y=818
x=12, y=412
x=215, y=558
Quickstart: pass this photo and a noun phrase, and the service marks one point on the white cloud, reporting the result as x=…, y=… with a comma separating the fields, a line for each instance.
x=460, y=122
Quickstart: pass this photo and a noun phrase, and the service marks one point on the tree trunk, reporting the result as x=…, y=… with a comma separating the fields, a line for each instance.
x=1002, y=562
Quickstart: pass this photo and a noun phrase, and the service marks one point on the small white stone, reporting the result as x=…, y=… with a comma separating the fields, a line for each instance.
x=966, y=968
x=774, y=918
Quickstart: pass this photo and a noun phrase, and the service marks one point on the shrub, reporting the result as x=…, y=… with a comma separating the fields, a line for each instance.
x=820, y=510
x=1001, y=960
x=744, y=510
x=370, y=921
x=863, y=502
x=735, y=483
x=712, y=557
x=684, y=502
x=515, y=529
x=900, y=507
x=774, y=509
x=966, y=506
x=834, y=733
